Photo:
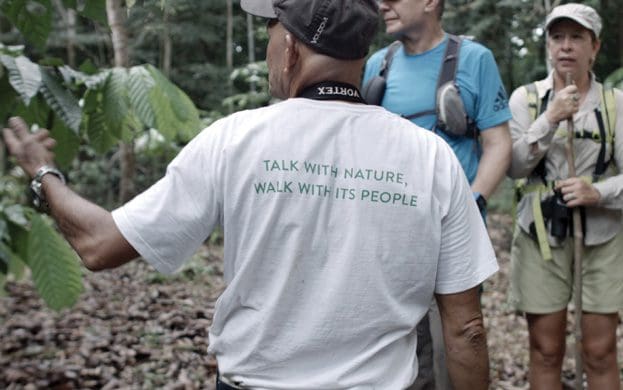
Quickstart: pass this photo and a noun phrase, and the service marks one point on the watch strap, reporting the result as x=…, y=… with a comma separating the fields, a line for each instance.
x=35, y=185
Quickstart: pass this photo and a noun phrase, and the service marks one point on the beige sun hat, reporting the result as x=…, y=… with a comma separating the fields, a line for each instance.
x=583, y=14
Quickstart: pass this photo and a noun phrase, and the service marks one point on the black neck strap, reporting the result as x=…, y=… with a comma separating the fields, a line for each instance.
x=332, y=90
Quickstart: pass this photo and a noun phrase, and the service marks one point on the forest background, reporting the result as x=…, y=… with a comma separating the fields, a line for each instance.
x=123, y=85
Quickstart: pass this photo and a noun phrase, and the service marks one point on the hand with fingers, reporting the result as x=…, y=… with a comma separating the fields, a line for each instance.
x=565, y=104
x=31, y=150
x=578, y=192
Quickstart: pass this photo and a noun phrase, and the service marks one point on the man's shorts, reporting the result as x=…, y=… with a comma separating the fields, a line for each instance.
x=540, y=287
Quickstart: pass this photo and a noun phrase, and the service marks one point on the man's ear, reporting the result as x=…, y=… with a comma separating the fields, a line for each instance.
x=292, y=54
x=431, y=6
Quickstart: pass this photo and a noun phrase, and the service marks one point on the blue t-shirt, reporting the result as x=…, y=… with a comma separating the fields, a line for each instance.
x=411, y=88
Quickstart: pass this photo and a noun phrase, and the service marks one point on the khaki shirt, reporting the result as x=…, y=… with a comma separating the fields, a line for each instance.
x=604, y=221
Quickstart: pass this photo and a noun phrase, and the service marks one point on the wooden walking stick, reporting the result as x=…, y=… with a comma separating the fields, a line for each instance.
x=578, y=246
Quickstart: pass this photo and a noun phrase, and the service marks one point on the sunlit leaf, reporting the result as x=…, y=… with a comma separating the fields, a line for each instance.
x=61, y=101
x=67, y=144
x=140, y=85
x=24, y=76
x=96, y=123
x=116, y=101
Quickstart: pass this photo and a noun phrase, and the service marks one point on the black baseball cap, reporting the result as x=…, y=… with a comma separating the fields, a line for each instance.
x=341, y=29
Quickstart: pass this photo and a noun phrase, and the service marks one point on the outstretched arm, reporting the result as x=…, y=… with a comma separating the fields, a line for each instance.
x=88, y=227
x=466, y=340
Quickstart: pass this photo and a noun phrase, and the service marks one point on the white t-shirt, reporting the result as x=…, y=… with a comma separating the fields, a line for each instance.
x=340, y=220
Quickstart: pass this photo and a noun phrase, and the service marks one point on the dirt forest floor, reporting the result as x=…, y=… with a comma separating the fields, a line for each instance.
x=136, y=329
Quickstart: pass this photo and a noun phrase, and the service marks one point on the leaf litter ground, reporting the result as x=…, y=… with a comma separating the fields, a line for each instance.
x=135, y=329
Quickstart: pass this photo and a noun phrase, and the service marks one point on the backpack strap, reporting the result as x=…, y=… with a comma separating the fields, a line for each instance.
x=447, y=73
x=389, y=57
x=537, y=107
x=374, y=90
x=450, y=60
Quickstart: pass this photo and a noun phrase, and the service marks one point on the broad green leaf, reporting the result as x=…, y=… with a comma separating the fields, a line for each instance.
x=61, y=101
x=95, y=122
x=54, y=265
x=88, y=67
x=15, y=214
x=116, y=101
x=140, y=85
x=67, y=144
x=24, y=76
x=69, y=4
x=185, y=119
x=37, y=113
x=131, y=126
x=33, y=18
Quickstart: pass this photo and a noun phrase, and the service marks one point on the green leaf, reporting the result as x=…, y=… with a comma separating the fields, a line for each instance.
x=15, y=214
x=140, y=85
x=67, y=144
x=54, y=265
x=175, y=112
x=33, y=18
x=96, y=123
x=61, y=101
x=24, y=76
x=88, y=67
x=116, y=101
x=37, y=113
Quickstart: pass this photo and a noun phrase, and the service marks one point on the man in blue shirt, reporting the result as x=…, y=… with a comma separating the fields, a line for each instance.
x=411, y=88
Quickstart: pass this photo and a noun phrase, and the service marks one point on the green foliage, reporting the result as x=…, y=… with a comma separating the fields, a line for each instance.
x=27, y=238
x=615, y=79
x=63, y=103
x=254, y=79
x=33, y=18
x=54, y=265
x=24, y=76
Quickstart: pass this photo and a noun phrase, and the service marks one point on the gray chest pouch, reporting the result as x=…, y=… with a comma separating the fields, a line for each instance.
x=451, y=116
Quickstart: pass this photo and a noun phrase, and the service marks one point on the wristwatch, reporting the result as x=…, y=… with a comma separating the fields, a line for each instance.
x=38, y=198
x=480, y=201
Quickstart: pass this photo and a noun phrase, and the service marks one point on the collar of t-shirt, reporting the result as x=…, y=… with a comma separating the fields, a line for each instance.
x=332, y=90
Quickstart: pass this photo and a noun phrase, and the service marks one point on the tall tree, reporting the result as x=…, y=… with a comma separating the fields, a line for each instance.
x=116, y=21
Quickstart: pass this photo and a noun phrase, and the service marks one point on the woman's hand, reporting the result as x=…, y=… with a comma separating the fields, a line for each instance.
x=566, y=103
x=578, y=192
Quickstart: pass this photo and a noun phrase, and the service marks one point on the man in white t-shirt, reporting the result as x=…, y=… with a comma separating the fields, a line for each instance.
x=341, y=220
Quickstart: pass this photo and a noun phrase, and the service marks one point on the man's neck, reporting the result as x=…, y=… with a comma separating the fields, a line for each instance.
x=418, y=42
x=317, y=70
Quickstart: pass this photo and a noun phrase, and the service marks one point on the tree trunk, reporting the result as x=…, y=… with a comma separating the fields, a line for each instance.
x=69, y=19
x=116, y=21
